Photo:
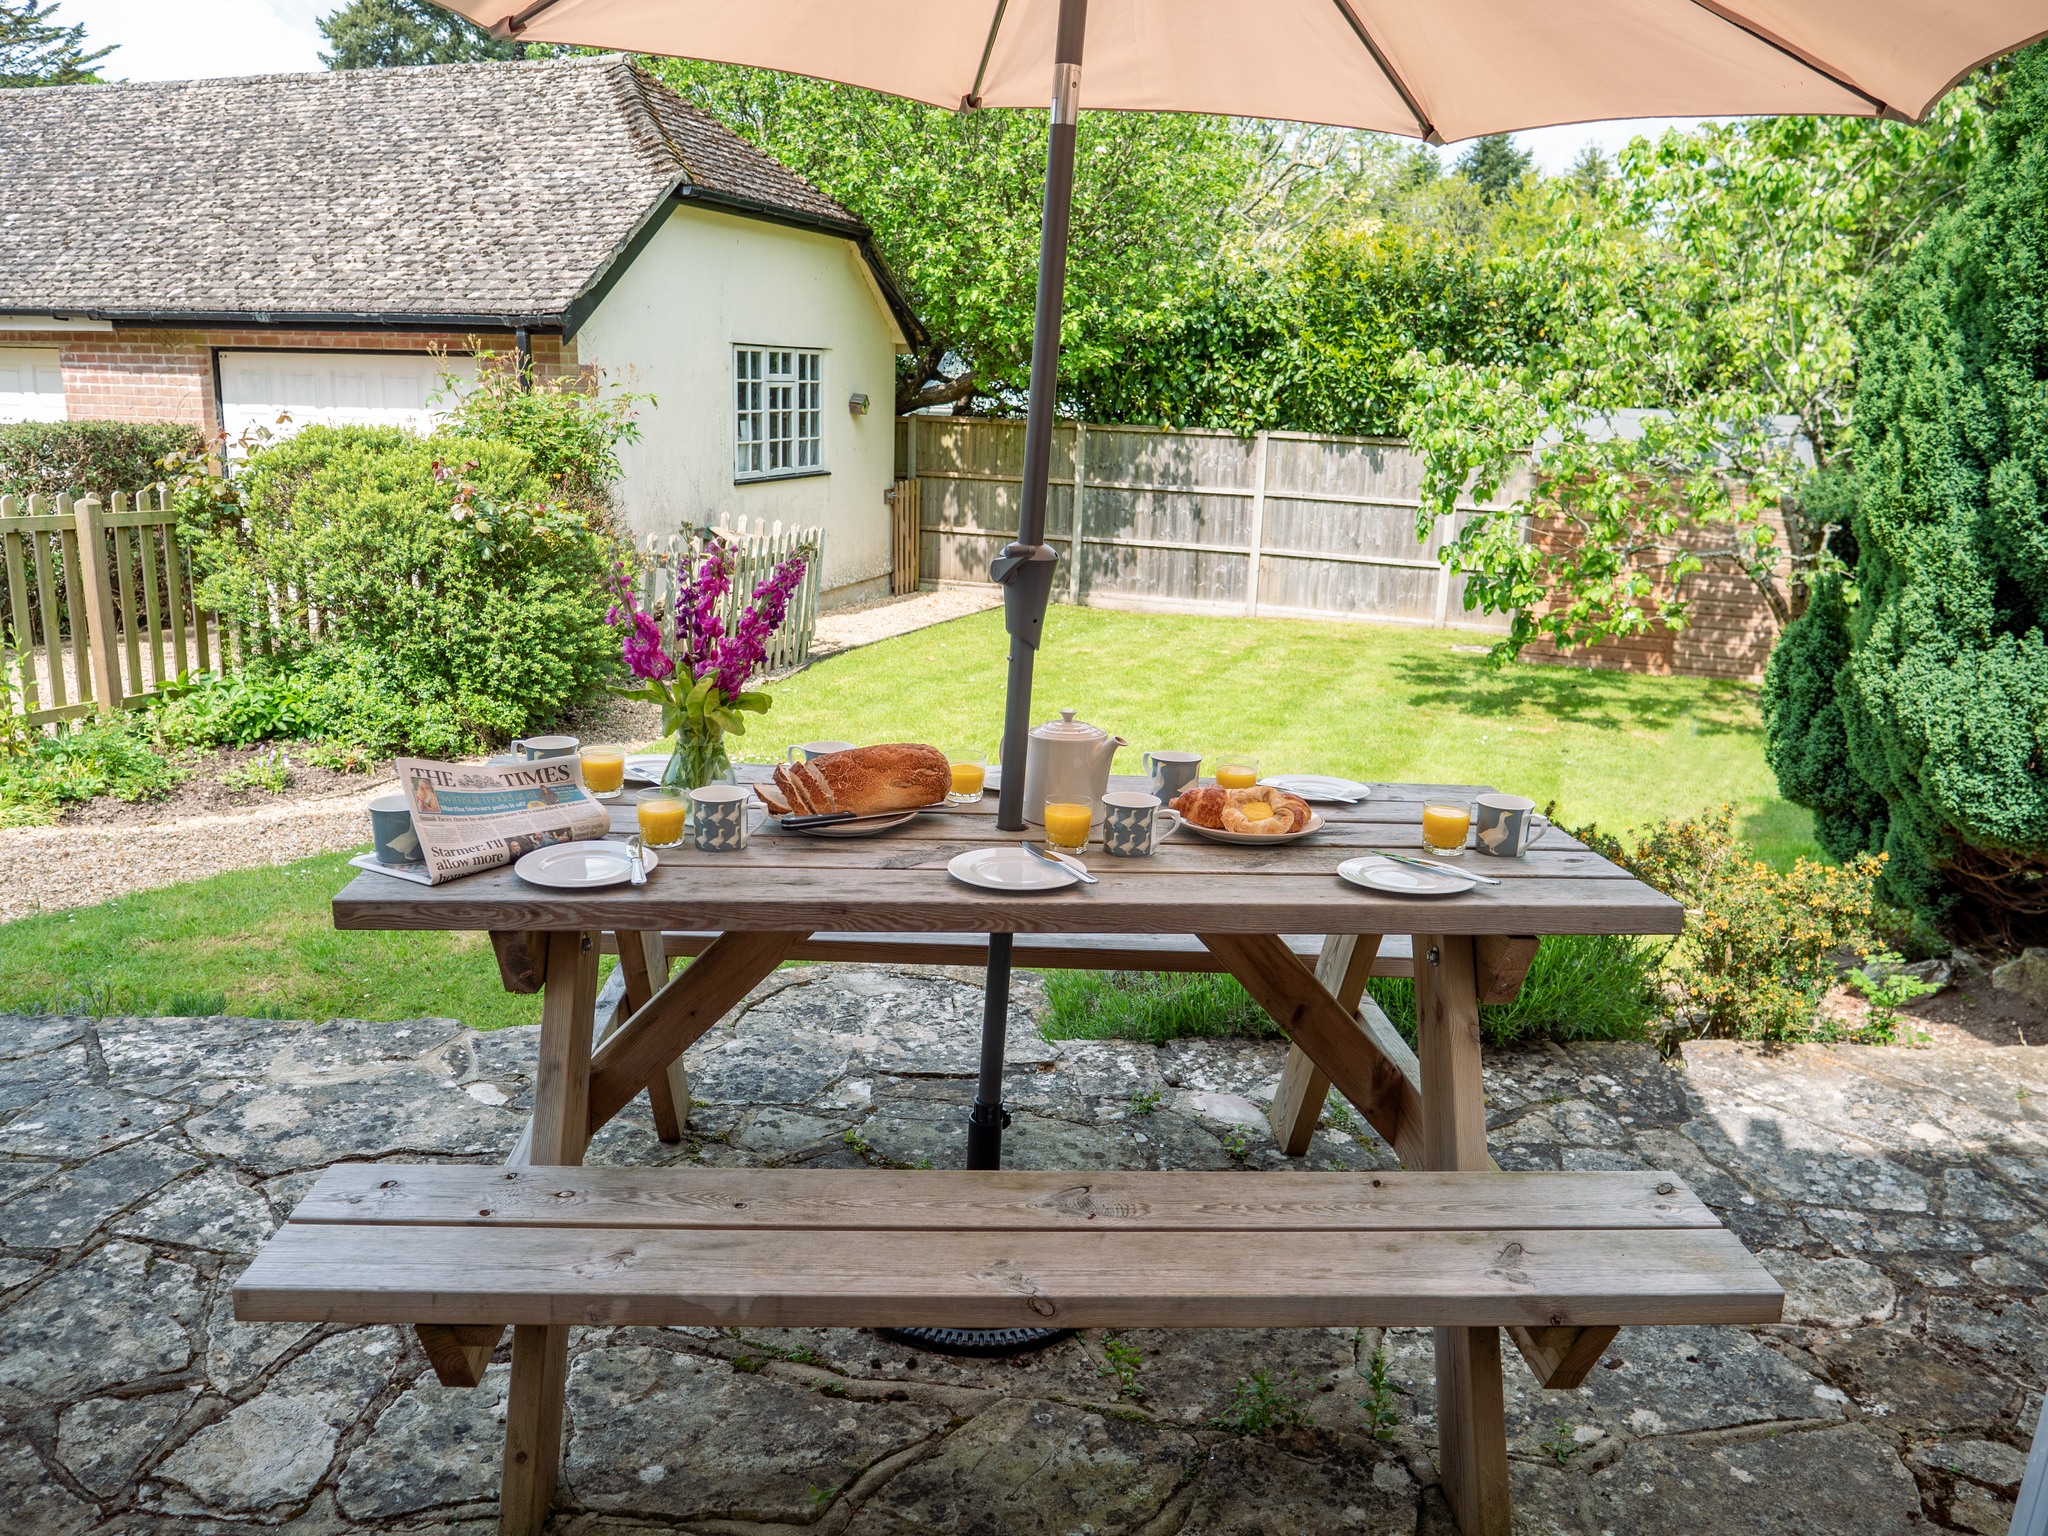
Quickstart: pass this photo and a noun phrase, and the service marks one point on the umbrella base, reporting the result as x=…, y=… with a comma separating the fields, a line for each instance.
x=989, y=1343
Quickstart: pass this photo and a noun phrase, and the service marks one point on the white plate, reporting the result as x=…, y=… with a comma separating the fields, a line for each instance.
x=1380, y=874
x=1010, y=869
x=581, y=866
x=854, y=828
x=1320, y=788
x=1256, y=839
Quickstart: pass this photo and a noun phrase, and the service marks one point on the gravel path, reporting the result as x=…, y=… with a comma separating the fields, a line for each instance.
x=46, y=869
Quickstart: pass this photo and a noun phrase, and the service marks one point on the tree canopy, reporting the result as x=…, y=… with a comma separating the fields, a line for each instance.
x=391, y=34
x=1700, y=367
x=36, y=49
x=1495, y=166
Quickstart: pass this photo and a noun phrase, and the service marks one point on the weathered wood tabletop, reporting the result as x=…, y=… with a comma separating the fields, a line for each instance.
x=897, y=882
x=763, y=902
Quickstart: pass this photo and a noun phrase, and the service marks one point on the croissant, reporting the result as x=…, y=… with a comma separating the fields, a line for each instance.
x=1225, y=810
x=865, y=780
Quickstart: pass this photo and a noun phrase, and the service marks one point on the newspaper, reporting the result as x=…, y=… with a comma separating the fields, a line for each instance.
x=473, y=816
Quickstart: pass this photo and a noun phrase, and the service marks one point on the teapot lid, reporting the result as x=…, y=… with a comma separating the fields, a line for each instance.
x=1067, y=728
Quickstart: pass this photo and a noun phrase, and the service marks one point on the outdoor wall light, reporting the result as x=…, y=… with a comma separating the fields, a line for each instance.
x=857, y=405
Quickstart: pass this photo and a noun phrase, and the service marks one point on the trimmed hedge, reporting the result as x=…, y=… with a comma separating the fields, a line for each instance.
x=87, y=458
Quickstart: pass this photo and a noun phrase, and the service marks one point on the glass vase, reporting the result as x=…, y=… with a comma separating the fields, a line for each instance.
x=698, y=759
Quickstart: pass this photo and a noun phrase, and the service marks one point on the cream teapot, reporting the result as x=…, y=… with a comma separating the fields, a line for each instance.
x=1067, y=760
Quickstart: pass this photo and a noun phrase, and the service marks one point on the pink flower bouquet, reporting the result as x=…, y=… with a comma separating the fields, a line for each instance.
x=699, y=670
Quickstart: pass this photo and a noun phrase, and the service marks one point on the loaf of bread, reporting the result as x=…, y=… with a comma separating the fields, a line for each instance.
x=865, y=781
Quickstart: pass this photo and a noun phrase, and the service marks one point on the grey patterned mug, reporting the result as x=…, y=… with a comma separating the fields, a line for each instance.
x=1172, y=772
x=1133, y=824
x=1505, y=825
x=719, y=822
x=533, y=748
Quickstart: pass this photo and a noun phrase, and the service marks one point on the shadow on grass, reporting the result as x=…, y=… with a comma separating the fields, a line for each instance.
x=1600, y=699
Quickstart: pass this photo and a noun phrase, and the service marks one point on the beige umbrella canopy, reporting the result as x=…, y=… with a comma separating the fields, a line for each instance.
x=1438, y=69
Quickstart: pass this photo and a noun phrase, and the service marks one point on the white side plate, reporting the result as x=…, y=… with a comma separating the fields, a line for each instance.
x=1256, y=839
x=581, y=866
x=1320, y=789
x=1378, y=874
x=1009, y=869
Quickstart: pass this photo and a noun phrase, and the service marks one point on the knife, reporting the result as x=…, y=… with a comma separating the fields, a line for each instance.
x=638, y=866
x=836, y=818
x=1440, y=869
x=1061, y=861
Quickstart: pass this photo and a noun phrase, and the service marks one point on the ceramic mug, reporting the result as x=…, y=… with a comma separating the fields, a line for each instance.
x=1505, y=825
x=1133, y=824
x=719, y=822
x=1172, y=772
x=533, y=748
x=806, y=750
x=391, y=830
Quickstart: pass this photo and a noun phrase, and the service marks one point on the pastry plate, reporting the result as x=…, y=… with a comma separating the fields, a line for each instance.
x=1256, y=839
x=1009, y=869
x=1320, y=788
x=1375, y=873
x=581, y=866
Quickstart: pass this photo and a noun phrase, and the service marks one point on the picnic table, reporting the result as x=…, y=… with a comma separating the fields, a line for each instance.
x=1559, y=1260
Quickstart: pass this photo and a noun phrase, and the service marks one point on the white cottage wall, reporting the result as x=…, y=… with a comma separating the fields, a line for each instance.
x=708, y=282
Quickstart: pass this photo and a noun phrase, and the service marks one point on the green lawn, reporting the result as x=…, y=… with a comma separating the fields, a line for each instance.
x=1370, y=701
x=257, y=941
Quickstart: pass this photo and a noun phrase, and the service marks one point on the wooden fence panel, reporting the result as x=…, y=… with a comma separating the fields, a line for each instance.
x=1200, y=522
x=754, y=552
x=88, y=595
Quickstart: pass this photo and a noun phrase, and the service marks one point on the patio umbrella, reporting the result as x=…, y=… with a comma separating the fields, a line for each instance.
x=1431, y=69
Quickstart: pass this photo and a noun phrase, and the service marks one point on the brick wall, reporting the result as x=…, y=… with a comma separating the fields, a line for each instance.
x=1730, y=634
x=137, y=374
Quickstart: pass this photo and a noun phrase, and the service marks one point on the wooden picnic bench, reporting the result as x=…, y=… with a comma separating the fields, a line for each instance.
x=1559, y=1260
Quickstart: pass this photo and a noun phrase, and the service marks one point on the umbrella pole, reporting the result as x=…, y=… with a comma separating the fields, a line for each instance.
x=1025, y=569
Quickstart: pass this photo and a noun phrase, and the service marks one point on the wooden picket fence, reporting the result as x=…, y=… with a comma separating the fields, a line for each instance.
x=98, y=605
x=755, y=553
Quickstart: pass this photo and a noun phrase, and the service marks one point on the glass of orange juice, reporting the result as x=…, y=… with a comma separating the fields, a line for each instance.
x=1237, y=773
x=1444, y=828
x=662, y=814
x=970, y=774
x=604, y=771
x=1066, y=825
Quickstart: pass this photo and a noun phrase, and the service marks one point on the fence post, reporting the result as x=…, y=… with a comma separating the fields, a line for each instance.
x=1074, y=522
x=1258, y=543
x=101, y=641
x=1446, y=530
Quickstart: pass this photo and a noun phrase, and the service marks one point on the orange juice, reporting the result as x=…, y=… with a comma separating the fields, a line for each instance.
x=1237, y=775
x=1444, y=827
x=661, y=820
x=968, y=778
x=603, y=770
x=1066, y=826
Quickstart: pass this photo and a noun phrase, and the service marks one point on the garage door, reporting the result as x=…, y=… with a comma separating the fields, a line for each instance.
x=31, y=384
x=385, y=389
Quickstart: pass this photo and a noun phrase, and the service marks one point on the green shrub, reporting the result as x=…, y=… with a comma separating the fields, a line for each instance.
x=1759, y=947
x=100, y=755
x=1910, y=708
x=570, y=429
x=48, y=458
x=455, y=600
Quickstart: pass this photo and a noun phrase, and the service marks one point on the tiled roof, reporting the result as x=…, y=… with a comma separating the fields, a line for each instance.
x=457, y=191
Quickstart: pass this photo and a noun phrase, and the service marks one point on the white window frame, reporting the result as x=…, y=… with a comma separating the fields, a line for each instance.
x=778, y=412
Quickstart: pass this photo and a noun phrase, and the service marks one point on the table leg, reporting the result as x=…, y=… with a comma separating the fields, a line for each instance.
x=645, y=964
x=1471, y=1420
x=561, y=1131
x=1342, y=968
